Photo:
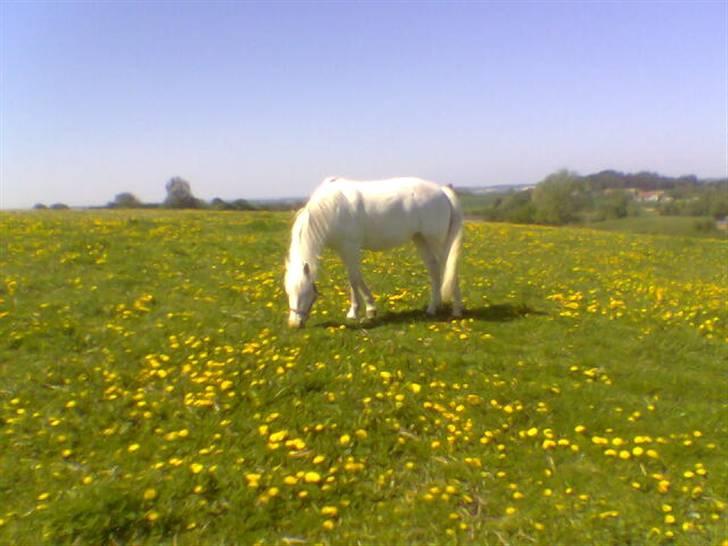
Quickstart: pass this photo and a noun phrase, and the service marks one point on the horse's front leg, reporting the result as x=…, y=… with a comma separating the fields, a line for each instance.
x=357, y=286
x=354, y=309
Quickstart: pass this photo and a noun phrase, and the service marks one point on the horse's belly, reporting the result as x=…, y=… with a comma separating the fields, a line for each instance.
x=381, y=235
x=384, y=243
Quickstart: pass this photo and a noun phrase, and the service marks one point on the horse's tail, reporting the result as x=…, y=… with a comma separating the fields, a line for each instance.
x=453, y=246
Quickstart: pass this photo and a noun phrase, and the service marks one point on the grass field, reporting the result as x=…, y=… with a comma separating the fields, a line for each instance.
x=150, y=392
x=684, y=226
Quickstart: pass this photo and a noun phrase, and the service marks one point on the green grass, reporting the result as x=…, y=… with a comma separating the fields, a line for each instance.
x=684, y=226
x=150, y=392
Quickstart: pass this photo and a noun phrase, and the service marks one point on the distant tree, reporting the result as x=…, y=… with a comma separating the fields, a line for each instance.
x=179, y=195
x=516, y=207
x=615, y=204
x=718, y=203
x=59, y=206
x=125, y=201
x=242, y=204
x=558, y=198
x=39, y=206
x=220, y=204
x=238, y=204
x=607, y=179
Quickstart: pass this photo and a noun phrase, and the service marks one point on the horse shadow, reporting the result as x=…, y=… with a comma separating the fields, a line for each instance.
x=502, y=312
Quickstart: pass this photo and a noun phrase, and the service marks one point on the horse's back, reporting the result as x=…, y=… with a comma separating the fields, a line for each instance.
x=387, y=213
x=405, y=192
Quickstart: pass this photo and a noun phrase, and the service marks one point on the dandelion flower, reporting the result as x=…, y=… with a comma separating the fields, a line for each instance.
x=329, y=511
x=312, y=477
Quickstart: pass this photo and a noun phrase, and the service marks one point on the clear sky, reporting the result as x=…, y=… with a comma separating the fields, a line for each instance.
x=251, y=100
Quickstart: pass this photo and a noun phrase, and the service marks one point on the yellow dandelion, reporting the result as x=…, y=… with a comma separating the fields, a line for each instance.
x=329, y=511
x=312, y=477
x=252, y=479
x=279, y=436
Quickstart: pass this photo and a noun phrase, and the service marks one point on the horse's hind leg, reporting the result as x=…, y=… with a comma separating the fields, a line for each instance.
x=433, y=267
x=368, y=300
x=457, y=302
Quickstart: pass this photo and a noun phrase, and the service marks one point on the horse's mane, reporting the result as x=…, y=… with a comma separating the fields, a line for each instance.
x=312, y=223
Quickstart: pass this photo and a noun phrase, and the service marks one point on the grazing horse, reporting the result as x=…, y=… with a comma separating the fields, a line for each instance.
x=349, y=215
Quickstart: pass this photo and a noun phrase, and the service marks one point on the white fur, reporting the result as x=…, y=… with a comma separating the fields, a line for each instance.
x=348, y=215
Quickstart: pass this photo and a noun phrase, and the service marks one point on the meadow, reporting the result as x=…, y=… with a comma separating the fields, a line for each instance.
x=151, y=393
x=683, y=226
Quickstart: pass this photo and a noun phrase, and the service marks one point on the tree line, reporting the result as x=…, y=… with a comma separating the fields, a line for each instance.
x=180, y=196
x=565, y=197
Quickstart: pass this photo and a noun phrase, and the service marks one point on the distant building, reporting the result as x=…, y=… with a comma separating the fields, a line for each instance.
x=656, y=196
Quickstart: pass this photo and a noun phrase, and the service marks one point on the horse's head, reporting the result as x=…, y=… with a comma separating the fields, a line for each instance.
x=302, y=293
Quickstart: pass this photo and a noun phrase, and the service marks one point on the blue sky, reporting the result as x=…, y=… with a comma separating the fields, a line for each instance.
x=266, y=99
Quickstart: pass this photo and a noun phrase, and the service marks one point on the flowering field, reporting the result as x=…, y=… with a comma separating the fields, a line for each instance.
x=150, y=392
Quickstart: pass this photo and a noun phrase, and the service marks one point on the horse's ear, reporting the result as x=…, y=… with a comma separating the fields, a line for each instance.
x=306, y=269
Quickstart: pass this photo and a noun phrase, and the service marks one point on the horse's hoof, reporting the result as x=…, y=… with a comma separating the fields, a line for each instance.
x=371, y=313
x=457, y=312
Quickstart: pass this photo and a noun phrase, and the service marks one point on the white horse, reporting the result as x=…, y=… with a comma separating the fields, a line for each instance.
x=348, y=215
